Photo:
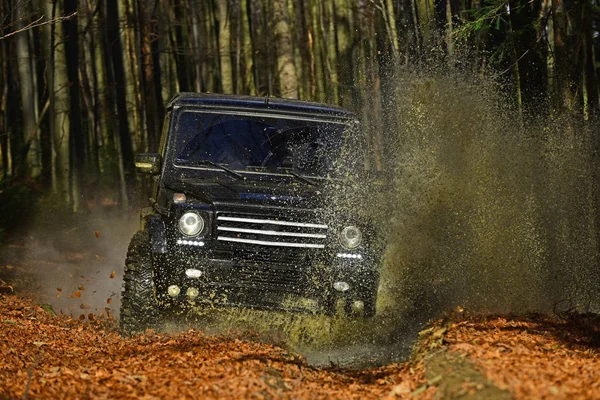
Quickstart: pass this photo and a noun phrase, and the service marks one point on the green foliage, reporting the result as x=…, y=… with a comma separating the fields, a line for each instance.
x=491, y=16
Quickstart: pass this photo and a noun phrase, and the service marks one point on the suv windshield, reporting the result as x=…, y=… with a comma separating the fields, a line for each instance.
x=260, y=142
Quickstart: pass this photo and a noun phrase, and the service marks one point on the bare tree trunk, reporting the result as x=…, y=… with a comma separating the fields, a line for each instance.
x=96, y=114
x=124, y=146
x=197, y=53
x=147, y=78
x=225, y=48
x=248, y=74
x=390, y=19
x=530, y=56
x=345, y=63
x=41, y=41
x=591, y=109
x=183, y=74
x=15, y=141
x=26, y=165
x=316, y=48
x=330, y=57
x=4, y=131
x=157, y=71
x=134, y=90
x=288, y=81
x=76, y=144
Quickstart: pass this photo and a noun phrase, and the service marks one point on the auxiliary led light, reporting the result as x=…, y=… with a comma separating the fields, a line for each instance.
x=192, y=292
x=341, y=286
x=358, y=306
x=190, y=242
x=349, y=255
x=173, y=290
x=193, y=273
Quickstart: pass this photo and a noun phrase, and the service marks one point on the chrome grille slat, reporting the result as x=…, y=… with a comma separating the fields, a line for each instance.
x=272, y=233
x=265, y=243
x=259, y=230
x=272, y=222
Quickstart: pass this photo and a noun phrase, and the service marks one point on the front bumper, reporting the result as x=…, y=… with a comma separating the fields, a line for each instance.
x=276, y=280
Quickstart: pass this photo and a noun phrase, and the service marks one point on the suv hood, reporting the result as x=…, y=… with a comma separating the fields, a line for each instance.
x=252, y=192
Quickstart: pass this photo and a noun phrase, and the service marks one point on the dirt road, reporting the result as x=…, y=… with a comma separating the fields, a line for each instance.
x=47, y=356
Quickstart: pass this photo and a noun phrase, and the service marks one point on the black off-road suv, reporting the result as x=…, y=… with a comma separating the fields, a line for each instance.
x=243, y=213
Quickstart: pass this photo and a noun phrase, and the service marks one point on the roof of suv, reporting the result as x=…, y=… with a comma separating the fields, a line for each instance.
x=258, y=103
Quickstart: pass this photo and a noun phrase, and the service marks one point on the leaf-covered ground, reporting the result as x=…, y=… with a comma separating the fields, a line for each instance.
x=534, y=357
x=47, y=356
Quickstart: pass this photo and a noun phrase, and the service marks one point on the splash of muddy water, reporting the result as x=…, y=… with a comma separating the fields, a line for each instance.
x=490, y=212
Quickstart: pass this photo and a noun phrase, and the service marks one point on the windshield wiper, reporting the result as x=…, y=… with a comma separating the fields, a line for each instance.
x=221, y=167
x=298, y=176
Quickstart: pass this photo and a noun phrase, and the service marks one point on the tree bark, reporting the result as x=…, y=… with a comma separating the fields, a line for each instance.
x=591, y=110
x=147, y=77
x=225, y=48
x=248, y=74
x=288, y=81
x=183, y=73
x=345, y=63
x=28, y=97
x=530, y=56
x=125, y=148
x=76, y=143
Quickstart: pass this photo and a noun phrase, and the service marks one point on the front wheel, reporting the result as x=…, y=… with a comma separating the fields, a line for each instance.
x=139, y=309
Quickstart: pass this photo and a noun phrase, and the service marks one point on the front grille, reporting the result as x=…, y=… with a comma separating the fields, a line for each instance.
x=265, y=278
x=270, y=231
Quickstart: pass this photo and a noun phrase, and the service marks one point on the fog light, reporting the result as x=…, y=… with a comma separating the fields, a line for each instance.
x=351, y=237
x=192, y=293
x=193, y=273
x=173, y=290
x=341, y=286
x=358, y=306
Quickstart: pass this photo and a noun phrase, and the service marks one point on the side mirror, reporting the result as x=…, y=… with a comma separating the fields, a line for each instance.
x=148, y=163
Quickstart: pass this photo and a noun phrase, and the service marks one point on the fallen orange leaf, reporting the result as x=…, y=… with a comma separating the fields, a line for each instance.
x=112, y=275
x=77, y=294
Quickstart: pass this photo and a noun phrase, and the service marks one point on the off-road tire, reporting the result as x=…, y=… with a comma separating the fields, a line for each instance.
x=139, y=310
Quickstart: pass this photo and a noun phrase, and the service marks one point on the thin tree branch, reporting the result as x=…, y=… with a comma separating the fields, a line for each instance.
x=37, y=23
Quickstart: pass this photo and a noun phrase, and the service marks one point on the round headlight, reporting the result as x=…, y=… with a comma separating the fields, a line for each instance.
x=191, y=224
x=351, y=237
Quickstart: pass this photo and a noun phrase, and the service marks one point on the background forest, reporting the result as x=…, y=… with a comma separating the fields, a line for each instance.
x=84, y=83
x=485, y=111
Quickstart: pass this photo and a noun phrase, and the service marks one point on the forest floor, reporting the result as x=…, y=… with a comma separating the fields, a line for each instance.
x=79, y=353
x=49, y=356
